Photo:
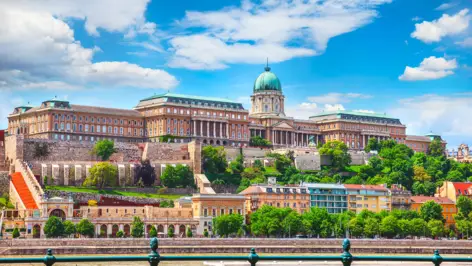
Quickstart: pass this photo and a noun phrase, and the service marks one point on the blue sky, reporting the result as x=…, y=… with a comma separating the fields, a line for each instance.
x=409, y=59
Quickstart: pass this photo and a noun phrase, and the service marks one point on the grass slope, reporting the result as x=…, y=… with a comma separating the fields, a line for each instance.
x=114, y=192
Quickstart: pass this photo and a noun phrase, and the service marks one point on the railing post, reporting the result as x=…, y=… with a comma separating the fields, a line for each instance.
x=154, y=256
x=253, y=257
x=437, y=259
x=346, y=257
x=49, y=259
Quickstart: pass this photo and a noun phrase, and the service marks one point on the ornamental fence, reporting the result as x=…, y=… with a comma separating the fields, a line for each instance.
x=154, y=258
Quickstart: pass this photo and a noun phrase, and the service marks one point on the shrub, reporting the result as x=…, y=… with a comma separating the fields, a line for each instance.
x=170, y=232
x=120, y=234
x=205, y=233
x=54, y=227
x=153, y=232
x=92, y=203
x=16, y=233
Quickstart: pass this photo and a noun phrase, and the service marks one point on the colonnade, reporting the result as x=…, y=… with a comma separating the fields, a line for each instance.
x=290, y=138
x=215, y=129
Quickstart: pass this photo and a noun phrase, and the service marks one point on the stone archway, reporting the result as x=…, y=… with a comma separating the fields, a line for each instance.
x=36, y=231
x=211, y=141
x=204, y=141
x=160, y=228
x=126, y=230
x=148, y=228
x=182, y=230
x=103, y=230
x=58, y=213
x=114, y=229
x=224, y=143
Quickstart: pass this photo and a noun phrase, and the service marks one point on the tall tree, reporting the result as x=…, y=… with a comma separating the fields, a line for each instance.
x=420, y=174
x=54, y=227
x=237, y=166
x=389, y=226
x=372, y=145
x=464, y=205
x=436, y=148
x=137, y=227
x=178, y=176
x=85, y=228
x=431, y=210
x=338, y=151
x=436, y=228
x=146, y=173
x=104, y=149
x=214, y=159
x=228, y=224
x=371, y=227
x=69, y=228
x=102, y=174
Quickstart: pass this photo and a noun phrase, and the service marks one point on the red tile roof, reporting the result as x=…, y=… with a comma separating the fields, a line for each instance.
x=423, y=199
x=365, y=187
x=461, y=186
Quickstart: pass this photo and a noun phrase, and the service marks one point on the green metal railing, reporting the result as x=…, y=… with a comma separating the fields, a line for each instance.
x=154, y=258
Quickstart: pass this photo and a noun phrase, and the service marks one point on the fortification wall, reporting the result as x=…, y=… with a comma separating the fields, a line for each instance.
x=4, y=182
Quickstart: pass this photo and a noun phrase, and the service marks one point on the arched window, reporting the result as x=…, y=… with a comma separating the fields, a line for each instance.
x=266, y=108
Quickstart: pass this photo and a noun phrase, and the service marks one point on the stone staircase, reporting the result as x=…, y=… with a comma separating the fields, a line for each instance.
x=23, y=191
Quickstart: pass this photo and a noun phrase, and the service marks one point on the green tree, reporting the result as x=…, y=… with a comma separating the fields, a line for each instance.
x=137, y=227
x=170, y=232
x=205, y=233
x=228, y=224
x=267, y=221
x=418, y=227
x=292, y=224
x=54, y=227
x=257, y=141
x=372, y=145
x=282, y=162
x=258, y=165
x=120, y=234
x=101, y=175
x=69, y=228
x=85, y=228
x=214, y=159
x=389, y=226
x=189, y=232
x=356, y=227
x=340, y=158
x=436, y=148
x=464, y=227
x=15, y=233
x=237, y=166
x=431, y=210
x=104, y=149
x=178, y=176
x=313, y=219
x=371, y=227
x=464, y=206
x=420, y=174
x=436, y=228
x=152, y=232
x=455, y=176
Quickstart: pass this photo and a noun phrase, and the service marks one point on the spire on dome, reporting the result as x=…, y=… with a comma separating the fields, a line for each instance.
x=267, y=68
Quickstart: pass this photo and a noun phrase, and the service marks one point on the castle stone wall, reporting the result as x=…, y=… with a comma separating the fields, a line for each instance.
x=4, y=182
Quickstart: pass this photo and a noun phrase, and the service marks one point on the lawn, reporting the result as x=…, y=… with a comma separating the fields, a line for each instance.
x=114, y=192
x=353, y=168
x=271, y=170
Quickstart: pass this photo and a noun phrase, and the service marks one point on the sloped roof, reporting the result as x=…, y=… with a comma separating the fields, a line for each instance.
x=423, y=199
x=104, y=110
x=366, y=187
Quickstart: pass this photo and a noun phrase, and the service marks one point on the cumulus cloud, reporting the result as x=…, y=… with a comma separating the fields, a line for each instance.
x=334, y=97
x=109, y=15
x=38, y=50
x=307, y=109
x=364, y=111
x=430, y=68
x=446, y=25
x=446, y=115
x=270, y=28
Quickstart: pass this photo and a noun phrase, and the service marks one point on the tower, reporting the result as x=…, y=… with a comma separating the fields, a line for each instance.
x=267, y=98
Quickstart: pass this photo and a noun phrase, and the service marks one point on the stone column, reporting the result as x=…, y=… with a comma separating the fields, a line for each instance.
x=227, y=130
x=208, y=128
x=194, y=132
x=66, y=175
x=214, y=129
x=121, y=175
x=78, y=174
x=221, y=129
x=44, y=172
x=201, y=128
x=55, y=175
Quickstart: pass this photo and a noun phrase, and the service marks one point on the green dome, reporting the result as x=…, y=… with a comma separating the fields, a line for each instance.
x=267, y=81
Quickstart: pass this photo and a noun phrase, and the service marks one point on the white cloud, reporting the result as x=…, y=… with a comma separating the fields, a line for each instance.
x=307, y=109
x=110, y=15
x=334, y=97
x=39, y=50
x=467, y=42
x=446, y=115
x=416, y=18
x=446, y=25
x=364, y=111
x=430, y=68
x=271, y=28
x=445, y=6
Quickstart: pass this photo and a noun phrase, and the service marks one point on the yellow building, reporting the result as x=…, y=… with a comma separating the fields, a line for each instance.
x=295, y=197
x=370, y=197
x=207, y=206
x=448, y=206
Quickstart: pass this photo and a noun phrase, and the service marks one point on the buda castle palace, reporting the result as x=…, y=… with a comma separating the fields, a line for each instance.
x=211, y=120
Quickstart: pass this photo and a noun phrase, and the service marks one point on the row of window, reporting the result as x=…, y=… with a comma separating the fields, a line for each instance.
x=214, y=212
x=204, y=113
x=96, y=129
x=84, y=138
x=92, y=119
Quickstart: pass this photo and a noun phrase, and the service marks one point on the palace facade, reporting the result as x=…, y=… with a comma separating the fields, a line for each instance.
x=212, y=120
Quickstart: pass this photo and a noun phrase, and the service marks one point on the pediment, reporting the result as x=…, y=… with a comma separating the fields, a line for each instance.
x=282, y=125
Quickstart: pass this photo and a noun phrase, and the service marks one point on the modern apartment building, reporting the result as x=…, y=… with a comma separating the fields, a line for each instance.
x=333, y=197
x=368, y=197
